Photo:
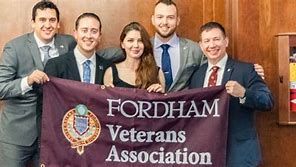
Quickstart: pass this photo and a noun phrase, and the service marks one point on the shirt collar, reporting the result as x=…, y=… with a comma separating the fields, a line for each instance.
x=221, y=64
x=40, y=43
x=80, y=58
x=173, y=42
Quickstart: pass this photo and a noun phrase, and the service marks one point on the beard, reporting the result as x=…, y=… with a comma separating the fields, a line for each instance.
x=167, y=35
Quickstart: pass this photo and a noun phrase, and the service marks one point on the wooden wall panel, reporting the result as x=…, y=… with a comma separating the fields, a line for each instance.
x=190, y=12
x=15, y=17
x=251, y=26
x=114, y=15
x=257, y=24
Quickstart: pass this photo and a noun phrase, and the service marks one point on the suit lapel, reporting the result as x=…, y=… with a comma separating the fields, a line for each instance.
x=35, y=53
x=99, y=70
x=73, y=67
x=202, y=75
x=58, y=43
x=183, y=60
x=228, y=70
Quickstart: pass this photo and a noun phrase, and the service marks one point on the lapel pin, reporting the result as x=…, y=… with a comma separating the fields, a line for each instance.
x=101, y=67
x=61, y=46
x=228, y=69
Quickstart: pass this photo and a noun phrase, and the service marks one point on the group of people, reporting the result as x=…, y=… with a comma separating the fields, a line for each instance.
x=163, y=63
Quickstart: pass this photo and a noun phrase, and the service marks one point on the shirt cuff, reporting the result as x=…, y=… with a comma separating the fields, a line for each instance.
x=242, y=100
x=24, y=85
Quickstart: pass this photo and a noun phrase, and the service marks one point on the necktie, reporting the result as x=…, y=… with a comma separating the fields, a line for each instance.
x=45, y=51
x=213, y=76
x=166, y=66
x=86, y=71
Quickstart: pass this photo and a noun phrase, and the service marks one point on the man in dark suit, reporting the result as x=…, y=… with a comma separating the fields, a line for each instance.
x=72, y=65
x=247, y=90
x=21, y=67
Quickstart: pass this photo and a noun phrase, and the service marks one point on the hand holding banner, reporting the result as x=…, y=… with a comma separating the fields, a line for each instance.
x=84, y=125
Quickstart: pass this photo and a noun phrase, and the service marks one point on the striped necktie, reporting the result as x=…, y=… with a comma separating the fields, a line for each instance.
x=45, y=50
x=166, y=66
x=86, y=71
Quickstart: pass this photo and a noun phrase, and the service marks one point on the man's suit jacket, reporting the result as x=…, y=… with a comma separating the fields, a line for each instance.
x=65, y=66
x=20, y=58
x=191, y=57
x=243, y=147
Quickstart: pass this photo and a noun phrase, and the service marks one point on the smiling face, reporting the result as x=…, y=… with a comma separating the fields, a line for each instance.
x=133, y=44
x=46, y=24
x=165, y=20
x=213, y=43
x=87, y=35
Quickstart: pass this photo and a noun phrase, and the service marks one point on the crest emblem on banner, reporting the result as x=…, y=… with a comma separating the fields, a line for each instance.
x=80, y=127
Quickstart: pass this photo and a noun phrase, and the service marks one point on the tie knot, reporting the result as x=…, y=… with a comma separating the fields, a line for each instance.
x=45, y=48
x=87, y=62
x=215, y=68
x=165, y=46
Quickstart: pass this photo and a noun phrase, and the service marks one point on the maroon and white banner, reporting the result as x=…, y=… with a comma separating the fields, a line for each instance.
x=86, y=125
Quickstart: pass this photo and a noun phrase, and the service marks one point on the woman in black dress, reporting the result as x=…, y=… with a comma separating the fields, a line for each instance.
x=138, y=69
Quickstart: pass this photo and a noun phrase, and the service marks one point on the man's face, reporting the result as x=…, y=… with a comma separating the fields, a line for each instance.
x=46, y=24
x=213, y=43
x=88, y=35
x=165, y=20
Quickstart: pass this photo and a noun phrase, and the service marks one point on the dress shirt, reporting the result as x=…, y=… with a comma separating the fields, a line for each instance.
x=221, y=64
x=174, y=51
x=53, y=51
x=80, y=59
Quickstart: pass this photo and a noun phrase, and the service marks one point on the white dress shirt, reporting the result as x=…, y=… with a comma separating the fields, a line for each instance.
x=53, y=51
x=221, y=64
x=80, y=59
x=174, y=51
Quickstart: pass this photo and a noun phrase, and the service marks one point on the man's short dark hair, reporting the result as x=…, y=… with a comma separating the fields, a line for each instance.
x=45, y=4
x=84, y=15
x=211, y=25
x=167, y=2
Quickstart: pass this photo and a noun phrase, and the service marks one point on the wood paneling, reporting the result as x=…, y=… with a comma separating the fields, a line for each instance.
x=257, y=24
x=15, y=19
x=251, y=26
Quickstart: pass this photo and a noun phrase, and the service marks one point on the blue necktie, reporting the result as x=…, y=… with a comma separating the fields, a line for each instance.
x=86, y=71
x=45, y=51
x=166, y=66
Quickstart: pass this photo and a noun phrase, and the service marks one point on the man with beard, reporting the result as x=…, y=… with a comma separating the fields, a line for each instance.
x=178, y=57
x=21, y=71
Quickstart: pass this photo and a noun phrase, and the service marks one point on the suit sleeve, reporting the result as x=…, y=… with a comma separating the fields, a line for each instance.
x=51, y=68
x=72, y=43
x=10, y=85
x=200, y=58
x=258, y=96
x=112, y=54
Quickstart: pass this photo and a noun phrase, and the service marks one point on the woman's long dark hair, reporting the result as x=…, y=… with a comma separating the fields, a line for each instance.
x=147, y=72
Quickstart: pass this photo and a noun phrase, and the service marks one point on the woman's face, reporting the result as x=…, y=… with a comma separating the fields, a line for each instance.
x=133, y=44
